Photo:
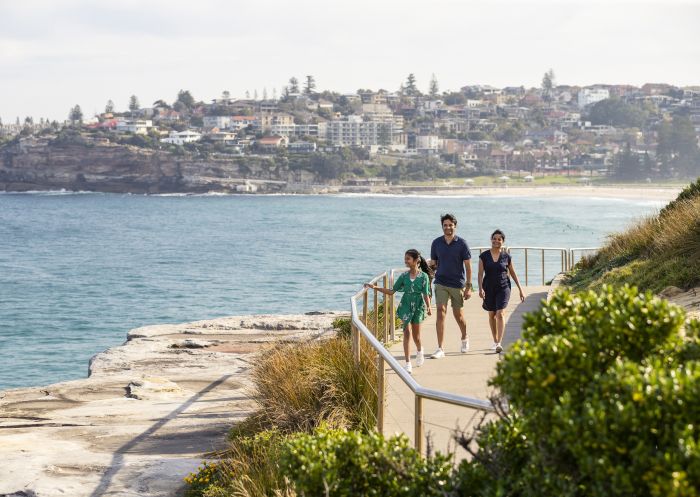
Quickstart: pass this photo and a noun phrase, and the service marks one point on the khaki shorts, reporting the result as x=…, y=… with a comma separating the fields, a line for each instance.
x=443, y=294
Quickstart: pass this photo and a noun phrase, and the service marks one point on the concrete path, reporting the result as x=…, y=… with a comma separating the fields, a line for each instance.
x=464, y=374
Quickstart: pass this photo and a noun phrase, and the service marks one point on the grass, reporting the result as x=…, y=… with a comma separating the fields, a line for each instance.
x=660, y=251
x=302, y=385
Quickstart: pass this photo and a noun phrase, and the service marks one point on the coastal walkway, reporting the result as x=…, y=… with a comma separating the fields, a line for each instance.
x=457, y=373
x=450, y=395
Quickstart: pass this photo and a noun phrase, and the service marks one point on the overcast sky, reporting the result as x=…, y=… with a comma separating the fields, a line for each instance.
x=58, y=53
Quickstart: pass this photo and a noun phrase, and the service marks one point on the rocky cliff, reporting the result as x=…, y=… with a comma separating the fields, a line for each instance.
x=99, y=165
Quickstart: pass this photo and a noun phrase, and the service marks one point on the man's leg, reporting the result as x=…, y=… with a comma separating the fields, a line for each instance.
x=461, y=322
x=440, y=323
x=442, y=297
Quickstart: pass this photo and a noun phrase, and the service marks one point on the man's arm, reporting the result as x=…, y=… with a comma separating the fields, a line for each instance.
x=468, y=285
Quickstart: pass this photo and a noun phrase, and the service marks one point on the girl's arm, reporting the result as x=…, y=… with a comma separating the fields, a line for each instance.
x=480, y=278
x=426, y=295
x=511, y=270
x=380, y=289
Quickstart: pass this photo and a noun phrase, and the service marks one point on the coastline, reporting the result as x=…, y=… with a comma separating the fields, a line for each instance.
x=623, y=191
x=147, y=414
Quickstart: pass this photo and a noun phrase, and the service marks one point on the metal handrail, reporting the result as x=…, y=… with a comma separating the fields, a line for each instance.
x=360, y=330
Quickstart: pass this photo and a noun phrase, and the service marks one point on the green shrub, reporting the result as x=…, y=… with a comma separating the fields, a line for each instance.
x=343, y=327
x=604, y=391
x=349, y=463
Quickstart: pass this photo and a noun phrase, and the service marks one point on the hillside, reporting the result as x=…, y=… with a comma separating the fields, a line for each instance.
x=658, y=252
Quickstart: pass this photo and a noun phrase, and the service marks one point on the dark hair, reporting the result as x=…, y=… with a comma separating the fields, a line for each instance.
x=499, y=232
x=451, y=217
x=421, y=262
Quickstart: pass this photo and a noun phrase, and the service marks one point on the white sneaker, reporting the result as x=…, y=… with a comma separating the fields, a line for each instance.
x=408, y=368
x=494, y=346
x=420, y=358
x=465, y=346
x=499, y=349
x=439, y=354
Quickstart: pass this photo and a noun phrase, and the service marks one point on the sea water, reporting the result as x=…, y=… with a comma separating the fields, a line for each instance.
x=77, y=271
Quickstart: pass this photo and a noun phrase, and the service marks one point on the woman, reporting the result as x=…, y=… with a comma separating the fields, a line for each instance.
x=495, y=270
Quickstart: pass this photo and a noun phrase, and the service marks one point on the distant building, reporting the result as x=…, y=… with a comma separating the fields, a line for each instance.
x=182, y=137
x=353, y=131
x=137, y=127
x=302, y=147
x=589, y=96
x=272, y=142
x=221, y=122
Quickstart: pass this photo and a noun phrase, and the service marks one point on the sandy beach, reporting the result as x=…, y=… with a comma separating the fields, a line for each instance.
x=612, y=191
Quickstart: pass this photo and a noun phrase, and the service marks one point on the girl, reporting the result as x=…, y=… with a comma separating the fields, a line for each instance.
x=495, y=267
x=415, y=285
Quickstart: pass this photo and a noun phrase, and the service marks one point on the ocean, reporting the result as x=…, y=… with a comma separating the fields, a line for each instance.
x=77, y=271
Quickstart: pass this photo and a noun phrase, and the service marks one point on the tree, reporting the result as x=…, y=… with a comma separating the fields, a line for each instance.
x=274, y=94
x=255, y=95
x=247, y=94
x=434, y=88
x=293, y=85
x=410, y=87
x=161, y=103
x=226, y=95
x=109, y=108
x=265, y=93
x=75, y=115
x=627, y=165
x=615, y=112
x=548, y=85
x=310, y=85
x=133, y=104
x=185, y=98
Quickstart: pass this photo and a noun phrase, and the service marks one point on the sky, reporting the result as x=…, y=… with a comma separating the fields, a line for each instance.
x=55, y=54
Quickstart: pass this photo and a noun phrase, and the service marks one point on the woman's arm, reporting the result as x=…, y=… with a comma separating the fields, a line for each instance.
x=480, y=278
x=511, y=270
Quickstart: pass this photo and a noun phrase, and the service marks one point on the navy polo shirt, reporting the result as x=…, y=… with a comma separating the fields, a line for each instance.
x=450, y=258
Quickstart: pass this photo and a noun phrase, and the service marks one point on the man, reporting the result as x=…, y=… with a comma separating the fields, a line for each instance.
x=453, y=277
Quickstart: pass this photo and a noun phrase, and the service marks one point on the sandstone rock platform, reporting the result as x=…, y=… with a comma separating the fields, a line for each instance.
x=149, y=412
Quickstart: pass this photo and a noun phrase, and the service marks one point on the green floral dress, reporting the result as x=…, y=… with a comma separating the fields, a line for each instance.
x=412, y=307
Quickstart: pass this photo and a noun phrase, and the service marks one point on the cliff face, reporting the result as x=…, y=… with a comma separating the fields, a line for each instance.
x=39, y=164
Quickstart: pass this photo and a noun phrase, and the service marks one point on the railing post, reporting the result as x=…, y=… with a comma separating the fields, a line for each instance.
x=419, y=433
x=365, y=305
x=385, y=307
x=563, y=266
x=376, y=314
x=542, y=266
x=392, y=314
x=381, y=394
x=355, y=333
x=525, y=266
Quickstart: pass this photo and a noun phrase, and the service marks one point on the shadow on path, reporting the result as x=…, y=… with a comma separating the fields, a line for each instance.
x=130, y=446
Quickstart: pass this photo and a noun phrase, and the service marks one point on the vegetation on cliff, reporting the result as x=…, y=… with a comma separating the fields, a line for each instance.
x=659, y=251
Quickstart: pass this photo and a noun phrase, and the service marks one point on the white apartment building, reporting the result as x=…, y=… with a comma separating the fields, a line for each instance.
x=137, y=127
x=427, y=143
x=353, y=131
x=182, y=137
x=221, y=122
x=588, y=96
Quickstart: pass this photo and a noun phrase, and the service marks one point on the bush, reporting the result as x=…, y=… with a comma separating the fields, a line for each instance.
x=343, y=327
x=300, y=386
x=690, y=192
x=346, y=463
x=604, y=392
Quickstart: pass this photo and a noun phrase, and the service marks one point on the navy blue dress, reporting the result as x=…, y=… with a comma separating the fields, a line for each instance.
x=496, y=282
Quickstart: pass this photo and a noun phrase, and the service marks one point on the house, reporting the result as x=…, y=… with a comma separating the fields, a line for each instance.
x=239, y=122
x=221, y=122
x=135, y=126
x=182, y=137
x=272, y=142
x=222, y=137
x=302, y=147
x=589, y=96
